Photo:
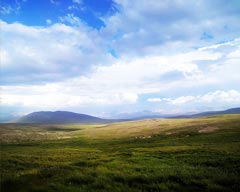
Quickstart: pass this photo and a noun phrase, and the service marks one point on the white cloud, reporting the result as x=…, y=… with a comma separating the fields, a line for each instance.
x=221, y=96
x=49, y=21
x=234, y=54
x=159, y=51
x=45, y=99
x=70, y=18
x=4, y=10
x=124, y=81
x=235, y=42
x=154, y=99
x=231, y=96
x=72, y=7
x=153, y=27
x=48, y=53
x=5, y=57
x=182, y=100
x=76, y=5
x=77, y=1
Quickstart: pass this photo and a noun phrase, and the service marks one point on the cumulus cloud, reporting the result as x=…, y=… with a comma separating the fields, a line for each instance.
x=231, y=96
x=159, y=50
x=52, y=53
x=125, y=81
x=154, y=99
x=153, y=27
x=54, y=97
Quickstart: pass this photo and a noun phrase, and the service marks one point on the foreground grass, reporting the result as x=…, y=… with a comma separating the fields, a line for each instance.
x=201, y=154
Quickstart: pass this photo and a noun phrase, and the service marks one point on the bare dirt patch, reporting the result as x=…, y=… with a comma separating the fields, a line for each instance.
x=208, y=129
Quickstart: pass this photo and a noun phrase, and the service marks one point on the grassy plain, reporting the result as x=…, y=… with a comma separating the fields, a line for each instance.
x=201, y=154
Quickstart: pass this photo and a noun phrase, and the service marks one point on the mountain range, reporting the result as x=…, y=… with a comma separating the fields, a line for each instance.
x=59, y=117
x=149, y=114
x=209, y=113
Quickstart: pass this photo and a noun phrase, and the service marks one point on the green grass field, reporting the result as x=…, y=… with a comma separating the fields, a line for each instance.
x=201, y=154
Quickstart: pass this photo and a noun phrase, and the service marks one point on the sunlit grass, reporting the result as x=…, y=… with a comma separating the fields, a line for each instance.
x=148, y=155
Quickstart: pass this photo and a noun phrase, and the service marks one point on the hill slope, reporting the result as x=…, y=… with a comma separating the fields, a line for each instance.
x=228, y=111
x=209, y=113
x=58, y=117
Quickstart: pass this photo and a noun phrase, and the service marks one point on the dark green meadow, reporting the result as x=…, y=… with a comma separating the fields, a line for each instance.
x=201, y=154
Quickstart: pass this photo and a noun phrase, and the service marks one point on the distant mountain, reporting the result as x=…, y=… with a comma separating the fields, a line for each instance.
x=7, y=118
x=209, y=113
x=61, y=117
x=58, y=117
x=149, y=114
x=137, y=115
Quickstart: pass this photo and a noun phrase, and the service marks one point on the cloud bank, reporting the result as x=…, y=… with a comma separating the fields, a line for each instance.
x=148, y=55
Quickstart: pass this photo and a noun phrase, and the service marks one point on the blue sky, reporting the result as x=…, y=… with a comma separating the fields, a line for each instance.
x=33, y=13
x=105, y=57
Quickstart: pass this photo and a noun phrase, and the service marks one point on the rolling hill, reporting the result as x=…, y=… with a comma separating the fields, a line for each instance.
x=58, y=117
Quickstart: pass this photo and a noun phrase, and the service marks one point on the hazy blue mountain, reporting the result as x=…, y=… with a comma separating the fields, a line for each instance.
x=58, y=117
x=137, y=115
x=149, y=114
x=6, y=118
x=209, y=113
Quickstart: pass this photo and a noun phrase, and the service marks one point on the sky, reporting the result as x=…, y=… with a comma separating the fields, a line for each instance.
x=108, y=57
